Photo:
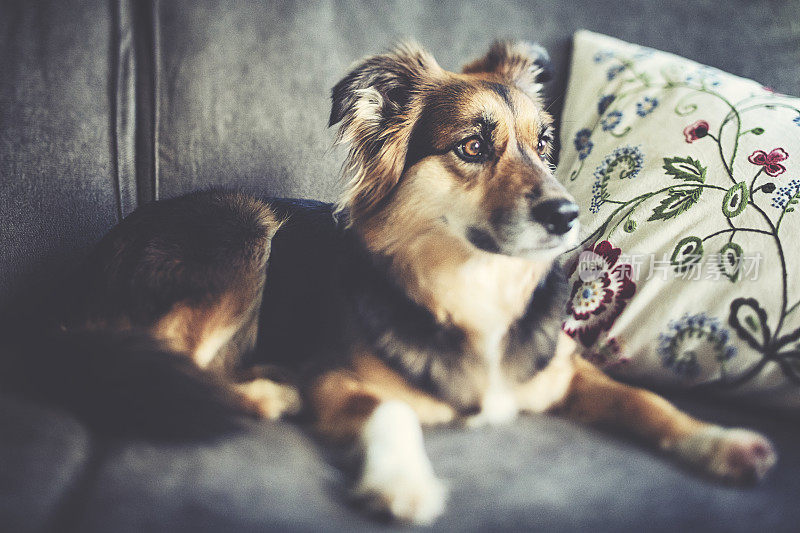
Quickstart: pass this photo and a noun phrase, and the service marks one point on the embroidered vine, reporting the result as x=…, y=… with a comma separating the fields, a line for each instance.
x=759, y=188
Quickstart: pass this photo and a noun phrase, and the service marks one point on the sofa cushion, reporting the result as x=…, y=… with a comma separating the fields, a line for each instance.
x=538, y=473
x=44, y=457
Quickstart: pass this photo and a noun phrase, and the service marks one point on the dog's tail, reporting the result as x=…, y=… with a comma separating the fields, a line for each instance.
x=120, y=384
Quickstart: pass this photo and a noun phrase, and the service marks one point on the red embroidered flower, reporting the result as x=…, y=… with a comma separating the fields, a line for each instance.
x=600, y=291
x=695, y=131
x=770, y=161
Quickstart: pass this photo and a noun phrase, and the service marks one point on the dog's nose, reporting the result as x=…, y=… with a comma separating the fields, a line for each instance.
x=557, y=216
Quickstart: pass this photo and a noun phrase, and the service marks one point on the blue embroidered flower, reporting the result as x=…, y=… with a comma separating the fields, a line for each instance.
x=611, y=120
x=780, y=199
x=606, y=101
x=646, y=106
x=704, y=76
x=692, y=341
x=583, y=143
x=602, y=55
x=797, y=120
x=598, y=193
x=643, y=53
x=624, y=163
x=613, y=71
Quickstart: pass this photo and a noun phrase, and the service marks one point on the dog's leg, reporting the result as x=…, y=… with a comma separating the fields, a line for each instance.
x=735, y=455
x=396, y=475
x=264, y=395
x=269, y=399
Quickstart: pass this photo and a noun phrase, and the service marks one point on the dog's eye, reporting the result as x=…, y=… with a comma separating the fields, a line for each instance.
x=544, y=140
x=472, y=150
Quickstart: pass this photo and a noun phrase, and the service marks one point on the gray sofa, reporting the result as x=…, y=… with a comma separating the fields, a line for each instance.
x=107, y=104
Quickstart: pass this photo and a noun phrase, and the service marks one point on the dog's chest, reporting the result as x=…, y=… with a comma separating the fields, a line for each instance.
x=474, y=371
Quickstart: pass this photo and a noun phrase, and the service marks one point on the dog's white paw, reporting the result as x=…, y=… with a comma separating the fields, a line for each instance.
x=406, y=493
x=733, y=455
x=397, y=477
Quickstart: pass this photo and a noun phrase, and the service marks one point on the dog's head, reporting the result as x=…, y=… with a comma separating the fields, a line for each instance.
x=464, y=152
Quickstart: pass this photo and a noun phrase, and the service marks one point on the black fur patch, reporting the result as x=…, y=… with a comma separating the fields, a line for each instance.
x=502, y=91
x=403, y=333
x=482, y=240
x=531, y=342
x=120, y=384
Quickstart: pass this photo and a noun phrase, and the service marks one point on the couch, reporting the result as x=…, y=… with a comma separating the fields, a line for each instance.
x=109, y=104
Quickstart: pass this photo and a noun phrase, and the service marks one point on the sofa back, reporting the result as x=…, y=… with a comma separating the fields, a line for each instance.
x=105, y=104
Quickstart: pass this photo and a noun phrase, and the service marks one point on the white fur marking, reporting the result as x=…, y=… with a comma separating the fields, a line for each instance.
x=397, y=476
x=498, y=405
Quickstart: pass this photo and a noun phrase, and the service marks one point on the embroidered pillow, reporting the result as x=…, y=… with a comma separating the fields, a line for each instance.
x=688, y=180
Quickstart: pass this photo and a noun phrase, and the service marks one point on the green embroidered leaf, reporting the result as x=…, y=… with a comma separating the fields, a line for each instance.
x=730, y=260
x=677, y=201
x=735, y=200
x=685, y=168
x=629, y=226
x=757, y=131
x=749, y=320
x=687, y=253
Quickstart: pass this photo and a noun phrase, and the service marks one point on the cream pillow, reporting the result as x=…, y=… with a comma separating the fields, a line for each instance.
x=688, y=180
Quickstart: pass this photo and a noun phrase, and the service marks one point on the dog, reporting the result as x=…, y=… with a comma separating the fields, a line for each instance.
x=430, y=294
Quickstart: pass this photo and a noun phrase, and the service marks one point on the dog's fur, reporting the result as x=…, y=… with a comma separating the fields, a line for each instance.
x=430, y=295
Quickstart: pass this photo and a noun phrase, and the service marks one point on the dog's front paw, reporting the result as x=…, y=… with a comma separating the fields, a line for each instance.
x=416, y=497
x=396, y=476
x=733, y=455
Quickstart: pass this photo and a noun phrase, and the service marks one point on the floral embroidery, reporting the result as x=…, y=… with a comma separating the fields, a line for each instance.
x=613, y=71
x=583, y=143
x=711, y=177
x=695, y=131
x=606, y=353
x=692, y=339
x=602, y=55
x=643, y=53
x=600, y=291
x=598, y=195
x=781, y=199
x=624, y=163
x=611, y=120
x=770, y=161
x=606, y=101
x=704, y=76
x=646, y=106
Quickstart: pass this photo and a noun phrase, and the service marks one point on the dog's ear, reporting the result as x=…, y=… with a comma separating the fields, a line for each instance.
x=525, y=64
x=374, y=107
